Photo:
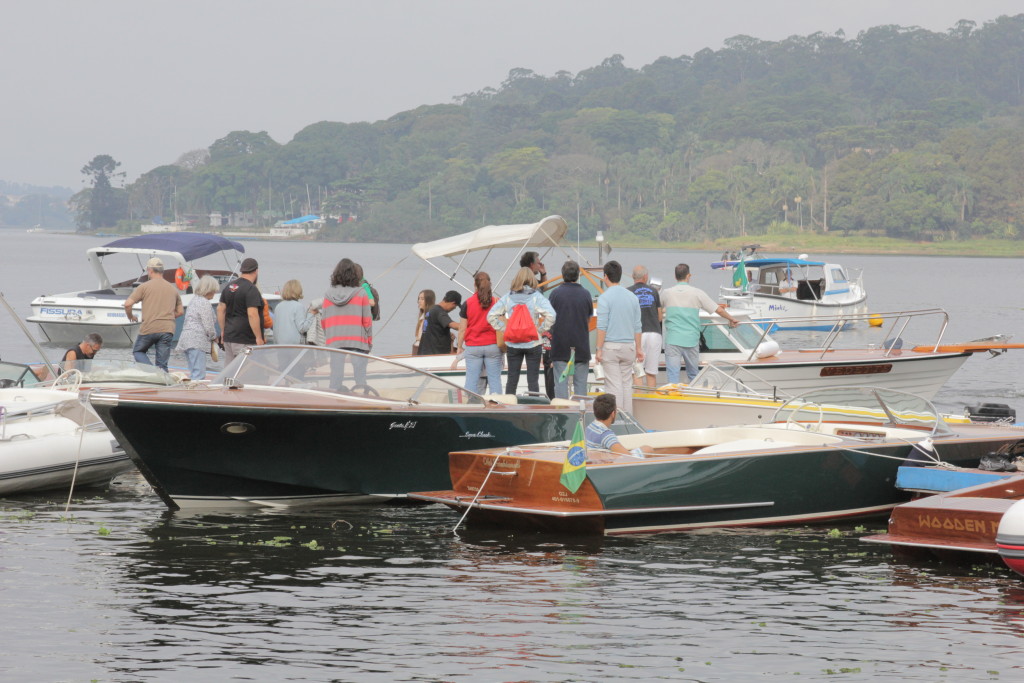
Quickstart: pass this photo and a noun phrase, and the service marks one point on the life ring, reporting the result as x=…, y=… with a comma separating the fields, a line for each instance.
x=182, y=279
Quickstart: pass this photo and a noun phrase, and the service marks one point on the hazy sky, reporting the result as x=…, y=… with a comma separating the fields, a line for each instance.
x=147, y=80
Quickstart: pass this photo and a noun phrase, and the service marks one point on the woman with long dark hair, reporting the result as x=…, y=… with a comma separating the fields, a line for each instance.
x=424, y=302
x=478, y=338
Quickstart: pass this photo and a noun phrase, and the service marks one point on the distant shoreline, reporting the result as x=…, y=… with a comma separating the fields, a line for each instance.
x=774, y=245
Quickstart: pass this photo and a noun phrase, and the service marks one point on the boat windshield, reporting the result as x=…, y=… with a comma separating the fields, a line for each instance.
x=717, y=336
x=111, y=371
x=16, y=375
x=864, y=406
x=342, y=372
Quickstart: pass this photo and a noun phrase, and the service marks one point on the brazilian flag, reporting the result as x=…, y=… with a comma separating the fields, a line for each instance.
x=570, y=367
x=739, y=276
x=574, y=469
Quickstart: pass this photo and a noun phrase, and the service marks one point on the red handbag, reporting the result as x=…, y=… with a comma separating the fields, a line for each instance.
x=520, y=328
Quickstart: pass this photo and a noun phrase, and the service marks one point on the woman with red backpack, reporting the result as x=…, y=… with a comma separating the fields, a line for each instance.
x=523, y=315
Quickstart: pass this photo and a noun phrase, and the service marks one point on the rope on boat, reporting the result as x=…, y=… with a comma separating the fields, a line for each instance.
x=412, y=282
x=480, y=490
x=932, y=454
x=74, y=473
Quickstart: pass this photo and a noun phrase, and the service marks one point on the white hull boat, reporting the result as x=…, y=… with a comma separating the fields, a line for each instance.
x=50, y=439
x=794, y=293
x=921, y=369
x=66, y=318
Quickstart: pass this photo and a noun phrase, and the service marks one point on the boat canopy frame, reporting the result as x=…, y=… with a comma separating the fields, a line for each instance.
x=184, y=247
x=546, y=234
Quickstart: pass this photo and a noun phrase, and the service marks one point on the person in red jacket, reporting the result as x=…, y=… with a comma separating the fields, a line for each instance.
x=478, y=339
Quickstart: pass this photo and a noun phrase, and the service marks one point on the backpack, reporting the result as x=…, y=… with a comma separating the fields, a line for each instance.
x=520, y=328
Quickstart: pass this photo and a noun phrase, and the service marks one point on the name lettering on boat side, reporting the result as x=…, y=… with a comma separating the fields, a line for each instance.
x=836, y=371
x=981, y=526
x=777, y=307
x=514, y=464
x=411, y=424
x=46, y=310
x=564, y=498
x=476, y=435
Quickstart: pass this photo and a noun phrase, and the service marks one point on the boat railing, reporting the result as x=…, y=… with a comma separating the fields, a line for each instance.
x=898, y=322
x=723, y=378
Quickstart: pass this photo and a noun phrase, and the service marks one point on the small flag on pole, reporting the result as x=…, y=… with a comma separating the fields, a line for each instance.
x=739, y=276
x=570, y=367
x=574, y=469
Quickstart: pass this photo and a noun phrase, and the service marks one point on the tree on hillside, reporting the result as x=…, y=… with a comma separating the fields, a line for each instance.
x=105, y=203
x=241, y=143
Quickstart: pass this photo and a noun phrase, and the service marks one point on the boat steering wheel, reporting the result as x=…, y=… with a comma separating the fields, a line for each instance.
x=792, y=423
x=365, y=390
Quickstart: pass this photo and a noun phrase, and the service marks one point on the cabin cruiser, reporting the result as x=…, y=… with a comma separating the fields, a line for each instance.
x=66, y=318
x=793, y=293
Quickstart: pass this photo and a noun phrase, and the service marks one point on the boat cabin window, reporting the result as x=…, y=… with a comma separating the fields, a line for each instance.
x=838, y=276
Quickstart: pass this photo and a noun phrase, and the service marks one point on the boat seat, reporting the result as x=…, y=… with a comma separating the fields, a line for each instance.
x=564, y=402
x=507, y=399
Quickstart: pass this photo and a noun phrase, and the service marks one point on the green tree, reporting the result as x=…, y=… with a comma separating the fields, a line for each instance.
x=105, y=203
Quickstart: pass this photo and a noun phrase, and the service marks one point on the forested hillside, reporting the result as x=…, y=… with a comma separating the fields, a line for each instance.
x=899, y=132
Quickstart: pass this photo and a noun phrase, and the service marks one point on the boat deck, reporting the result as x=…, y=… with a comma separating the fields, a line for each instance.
x=964, y=520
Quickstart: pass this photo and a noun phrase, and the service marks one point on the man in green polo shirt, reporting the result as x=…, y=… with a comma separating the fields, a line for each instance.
x=683, y=304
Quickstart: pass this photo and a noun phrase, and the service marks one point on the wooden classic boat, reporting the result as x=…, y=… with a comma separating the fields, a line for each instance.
x=969, y=512
x=291, y=425
x=810, y=463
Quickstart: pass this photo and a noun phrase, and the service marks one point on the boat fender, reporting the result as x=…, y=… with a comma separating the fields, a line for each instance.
x=767, y=349
x=1010, y=537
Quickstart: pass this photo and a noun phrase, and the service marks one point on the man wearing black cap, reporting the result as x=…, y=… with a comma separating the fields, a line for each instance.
x=240, y=312
x=438, y=326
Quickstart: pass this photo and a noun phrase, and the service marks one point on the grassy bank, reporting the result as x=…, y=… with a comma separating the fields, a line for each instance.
x=810, y=243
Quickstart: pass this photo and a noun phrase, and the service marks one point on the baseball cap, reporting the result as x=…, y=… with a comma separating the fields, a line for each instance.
x=249, y=265
x=154, y=263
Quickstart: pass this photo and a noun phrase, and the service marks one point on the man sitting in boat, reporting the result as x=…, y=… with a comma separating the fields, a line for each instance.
x=86, y=350
x=599, y=433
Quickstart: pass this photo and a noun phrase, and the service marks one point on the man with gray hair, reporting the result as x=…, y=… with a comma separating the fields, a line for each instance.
x=161, y=305
x=86, y=350
x=650, y=322
x=683, y=304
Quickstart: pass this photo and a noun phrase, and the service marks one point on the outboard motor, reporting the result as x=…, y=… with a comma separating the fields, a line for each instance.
x=990, y=412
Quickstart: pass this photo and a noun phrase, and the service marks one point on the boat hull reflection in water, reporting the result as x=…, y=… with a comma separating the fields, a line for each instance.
x=305, y=425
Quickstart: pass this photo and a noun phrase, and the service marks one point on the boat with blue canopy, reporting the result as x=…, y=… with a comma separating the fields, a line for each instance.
x=66, y=318
x=782, y=288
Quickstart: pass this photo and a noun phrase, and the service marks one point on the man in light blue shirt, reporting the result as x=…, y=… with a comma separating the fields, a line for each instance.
x=618, y=336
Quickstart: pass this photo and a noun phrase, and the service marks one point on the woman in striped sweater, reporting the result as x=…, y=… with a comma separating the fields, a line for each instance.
x=347, y=322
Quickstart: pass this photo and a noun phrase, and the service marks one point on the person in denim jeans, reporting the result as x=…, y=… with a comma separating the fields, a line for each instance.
x=524, y=291
x=478, y=340
x=161, y=304
x=683, y=304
